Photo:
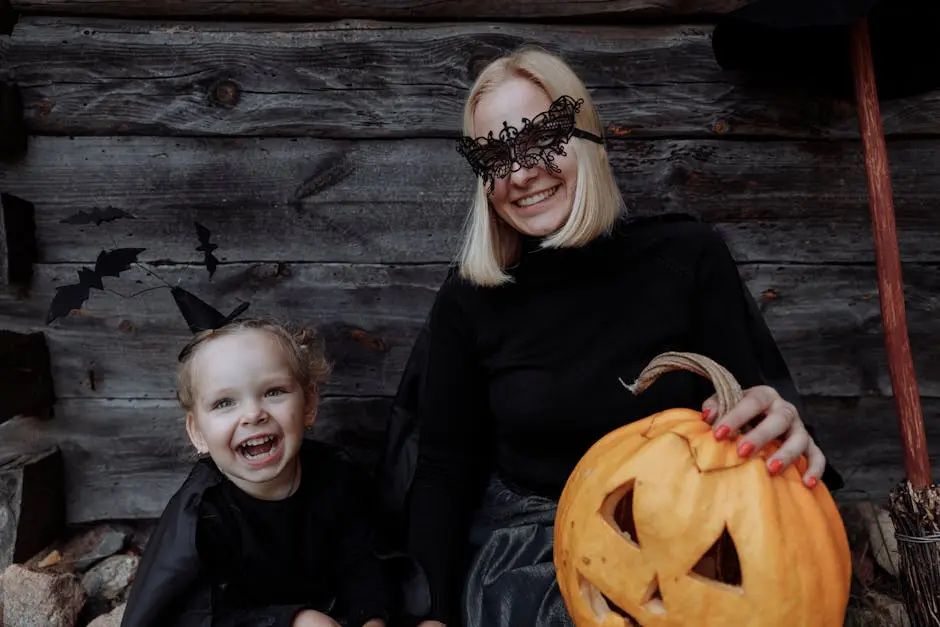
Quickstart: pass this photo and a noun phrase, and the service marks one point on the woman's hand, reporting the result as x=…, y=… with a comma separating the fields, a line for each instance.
x=431, y=623
x=780, y=420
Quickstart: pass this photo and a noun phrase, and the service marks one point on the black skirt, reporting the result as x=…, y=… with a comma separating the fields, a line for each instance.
x=511, y=581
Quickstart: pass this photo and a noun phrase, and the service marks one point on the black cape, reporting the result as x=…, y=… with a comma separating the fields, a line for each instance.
x=168, y=577
x=170, y=588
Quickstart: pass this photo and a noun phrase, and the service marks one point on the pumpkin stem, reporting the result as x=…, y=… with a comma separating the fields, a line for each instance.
x=728, y=389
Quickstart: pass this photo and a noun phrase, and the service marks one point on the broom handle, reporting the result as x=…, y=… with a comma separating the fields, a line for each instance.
x=890, y=285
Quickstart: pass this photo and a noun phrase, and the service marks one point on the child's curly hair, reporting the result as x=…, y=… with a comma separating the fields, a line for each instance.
x=302, y=347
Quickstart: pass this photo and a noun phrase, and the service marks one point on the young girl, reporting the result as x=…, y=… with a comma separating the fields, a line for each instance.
x=270, y=528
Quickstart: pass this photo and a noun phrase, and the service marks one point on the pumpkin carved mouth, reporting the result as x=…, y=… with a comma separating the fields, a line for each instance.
x=602, y=605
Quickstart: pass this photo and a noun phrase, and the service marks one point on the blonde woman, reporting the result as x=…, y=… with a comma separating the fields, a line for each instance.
x=556, y=297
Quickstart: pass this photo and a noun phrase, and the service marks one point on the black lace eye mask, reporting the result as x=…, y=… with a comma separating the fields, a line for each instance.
x=540, y=140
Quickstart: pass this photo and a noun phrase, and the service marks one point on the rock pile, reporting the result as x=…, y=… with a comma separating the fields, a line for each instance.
x=82, y=581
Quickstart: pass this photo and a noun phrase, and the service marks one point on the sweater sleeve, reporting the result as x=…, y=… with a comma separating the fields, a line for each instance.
x=453, y=445
x=724, y=331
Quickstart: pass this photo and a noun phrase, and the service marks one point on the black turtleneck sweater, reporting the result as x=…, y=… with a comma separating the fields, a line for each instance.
x=523, y=378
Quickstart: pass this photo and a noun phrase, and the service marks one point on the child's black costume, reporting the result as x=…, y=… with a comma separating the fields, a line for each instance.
x=220, y=557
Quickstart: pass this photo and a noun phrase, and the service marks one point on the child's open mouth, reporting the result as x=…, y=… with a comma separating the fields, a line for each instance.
x=261, y=450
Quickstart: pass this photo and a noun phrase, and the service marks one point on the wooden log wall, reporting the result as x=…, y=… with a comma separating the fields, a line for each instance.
x=315, y=141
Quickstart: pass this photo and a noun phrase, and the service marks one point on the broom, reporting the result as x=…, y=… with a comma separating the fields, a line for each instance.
x=914, y=503
x=794, y=33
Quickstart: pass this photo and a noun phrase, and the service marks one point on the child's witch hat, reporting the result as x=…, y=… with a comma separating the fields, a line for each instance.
x=199, y=315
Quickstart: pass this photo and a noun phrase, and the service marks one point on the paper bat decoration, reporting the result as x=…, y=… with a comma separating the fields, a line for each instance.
x=205, y=246
x=97, y=216
x=109, y=263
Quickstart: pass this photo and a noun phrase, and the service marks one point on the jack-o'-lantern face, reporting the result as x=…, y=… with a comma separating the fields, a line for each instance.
x=661, y=525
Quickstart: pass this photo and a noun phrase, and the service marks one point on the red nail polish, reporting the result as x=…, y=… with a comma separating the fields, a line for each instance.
x=811, y=482
x=722, y=432
x=776, y=466
x=745, y=449
x=706, y=414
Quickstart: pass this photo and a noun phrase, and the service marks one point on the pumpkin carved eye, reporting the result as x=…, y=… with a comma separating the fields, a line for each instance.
x=721, y=563
x=618, y=512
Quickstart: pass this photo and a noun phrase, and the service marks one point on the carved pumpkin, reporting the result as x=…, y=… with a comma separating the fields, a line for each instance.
x=661, y=525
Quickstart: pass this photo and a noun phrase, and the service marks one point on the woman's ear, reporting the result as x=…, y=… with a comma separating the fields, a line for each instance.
x=195, y=434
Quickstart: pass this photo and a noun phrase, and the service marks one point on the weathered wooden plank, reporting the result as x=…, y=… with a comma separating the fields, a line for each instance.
x=277, y=199
x=127, y=347
x=371, y=79
x=862, y=440
x=132, y=476
x=825, y=318
x=383, y=9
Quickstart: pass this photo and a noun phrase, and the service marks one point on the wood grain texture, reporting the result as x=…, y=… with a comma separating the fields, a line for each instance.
x=125, y=458
x=826, y=320
x=382, y=9
x=362, y=79
x=277, y=199
x=367, y=315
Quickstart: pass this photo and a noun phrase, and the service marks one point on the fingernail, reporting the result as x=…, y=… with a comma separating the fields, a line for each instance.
x=745, y=449
x=722, y=432
x=811, y=482
x=706, y=414
x=775, y=466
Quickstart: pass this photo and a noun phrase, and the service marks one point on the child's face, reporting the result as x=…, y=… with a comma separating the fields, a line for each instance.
x=249, y=412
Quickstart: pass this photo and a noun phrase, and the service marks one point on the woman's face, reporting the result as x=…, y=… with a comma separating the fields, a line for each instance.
x=534, y=201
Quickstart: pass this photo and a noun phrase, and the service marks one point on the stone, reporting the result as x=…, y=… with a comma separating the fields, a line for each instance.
x=35, y=599
x=94, y=546
x=109, y=578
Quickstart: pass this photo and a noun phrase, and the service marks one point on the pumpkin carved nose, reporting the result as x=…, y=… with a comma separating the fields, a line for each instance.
x=720, y=564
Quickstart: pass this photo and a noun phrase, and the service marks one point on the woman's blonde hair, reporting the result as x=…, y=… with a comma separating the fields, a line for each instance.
x=302, y=348
x=489, y=244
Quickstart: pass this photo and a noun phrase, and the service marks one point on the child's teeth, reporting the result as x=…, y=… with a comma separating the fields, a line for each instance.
x=258, y=441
